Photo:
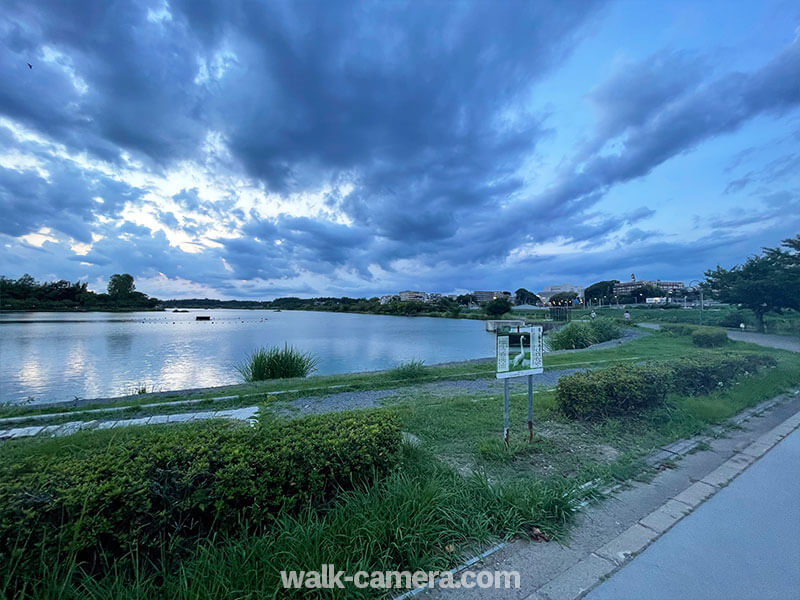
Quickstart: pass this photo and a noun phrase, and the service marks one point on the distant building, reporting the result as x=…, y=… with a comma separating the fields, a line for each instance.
x=552, y=290
x=626, y=287
x=481, y=297
x=390, y=298
x=409, y=295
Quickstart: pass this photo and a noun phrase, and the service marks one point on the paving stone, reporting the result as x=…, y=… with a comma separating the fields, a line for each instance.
x=665, y=517
x=659, y=457
x=695, y=494
x=681, y=447
x=626, y=544
x=159, y=419
x=577, y=579
x=757, y=449
x=25, y=431
x=723, y=474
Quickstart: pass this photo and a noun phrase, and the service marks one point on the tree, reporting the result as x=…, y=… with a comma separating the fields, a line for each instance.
x=120, y=285
x=466, y=299
x=767, y=283
x=563, y=298
x=523, y=296
x=602, y=291
x=497, y=307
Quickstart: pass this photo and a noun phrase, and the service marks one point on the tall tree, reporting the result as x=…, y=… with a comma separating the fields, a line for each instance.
x=120, y=285
x=602, y=290
x=523, y=296
x=498, y=306
x=766, y=283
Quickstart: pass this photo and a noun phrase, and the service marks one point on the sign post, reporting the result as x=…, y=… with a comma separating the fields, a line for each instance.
x=519, y=353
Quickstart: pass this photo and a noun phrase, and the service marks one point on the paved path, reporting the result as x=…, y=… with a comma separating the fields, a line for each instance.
x=742, y=543
x=782, y=342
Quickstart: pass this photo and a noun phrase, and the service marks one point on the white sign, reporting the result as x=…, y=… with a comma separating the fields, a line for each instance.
x=519, y=352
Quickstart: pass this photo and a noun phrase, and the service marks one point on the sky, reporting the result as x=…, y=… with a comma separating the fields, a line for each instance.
x=253, y=150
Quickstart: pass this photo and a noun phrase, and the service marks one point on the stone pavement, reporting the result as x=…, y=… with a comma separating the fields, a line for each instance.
x=248, y=414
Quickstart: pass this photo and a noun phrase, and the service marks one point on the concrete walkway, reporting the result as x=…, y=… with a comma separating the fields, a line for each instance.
x=768, y=340
x=742, y=543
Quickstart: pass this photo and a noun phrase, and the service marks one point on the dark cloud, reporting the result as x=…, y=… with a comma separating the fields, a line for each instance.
x=64, y=201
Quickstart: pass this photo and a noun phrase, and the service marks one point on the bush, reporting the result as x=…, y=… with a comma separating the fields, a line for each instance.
x=615, y=391
x=695, y=375
x=141, y=491
x=678, y=329
x=709, y=337
x=628, y=389
x=605, y=329
x=735, y=317
x=574, y=336
x=274, y=363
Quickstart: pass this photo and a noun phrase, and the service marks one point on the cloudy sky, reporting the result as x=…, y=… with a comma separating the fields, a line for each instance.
x=260, y=149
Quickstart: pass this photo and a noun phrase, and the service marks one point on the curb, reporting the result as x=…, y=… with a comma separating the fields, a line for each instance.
x=583, y=576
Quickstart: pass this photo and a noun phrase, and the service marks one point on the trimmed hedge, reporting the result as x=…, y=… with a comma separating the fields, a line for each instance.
x=615, y=391
x=135, y=490
x=696, y=375
x=626, y=390
x=709, y=337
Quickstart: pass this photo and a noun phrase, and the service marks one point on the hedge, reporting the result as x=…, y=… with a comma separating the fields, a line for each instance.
x=695, y=375
x=614, y=391
x=177, y=484
x=626, y=390
x=709, y=337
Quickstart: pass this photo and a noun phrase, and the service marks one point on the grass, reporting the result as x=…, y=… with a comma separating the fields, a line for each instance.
x=413, y=370
x=460, y=490
x=277, y=363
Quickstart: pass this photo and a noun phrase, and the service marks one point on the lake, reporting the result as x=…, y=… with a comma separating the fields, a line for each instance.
x=50, y=357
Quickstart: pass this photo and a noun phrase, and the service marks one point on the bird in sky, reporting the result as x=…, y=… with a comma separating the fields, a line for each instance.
x=30, y=66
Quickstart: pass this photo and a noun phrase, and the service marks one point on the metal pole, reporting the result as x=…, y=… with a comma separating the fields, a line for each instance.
x=505, y=408
x=701, y=306
x=530, y=407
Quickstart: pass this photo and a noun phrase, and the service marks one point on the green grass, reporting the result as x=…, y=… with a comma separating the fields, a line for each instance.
x=277, y=363
x=413, y=370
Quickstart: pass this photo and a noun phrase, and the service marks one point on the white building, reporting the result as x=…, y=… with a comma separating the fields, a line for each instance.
x=410, y=295
x=552, y=290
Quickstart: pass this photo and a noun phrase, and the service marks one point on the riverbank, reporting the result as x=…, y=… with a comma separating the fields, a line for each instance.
x=459, y=467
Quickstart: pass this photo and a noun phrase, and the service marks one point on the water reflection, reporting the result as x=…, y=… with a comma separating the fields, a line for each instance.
x=60, y=356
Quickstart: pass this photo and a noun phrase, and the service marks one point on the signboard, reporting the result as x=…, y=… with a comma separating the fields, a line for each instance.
x=519, y=352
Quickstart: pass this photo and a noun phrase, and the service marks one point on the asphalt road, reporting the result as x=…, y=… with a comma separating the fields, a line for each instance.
x=742, y=544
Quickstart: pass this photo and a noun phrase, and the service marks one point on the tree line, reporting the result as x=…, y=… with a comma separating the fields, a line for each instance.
x=26, y=293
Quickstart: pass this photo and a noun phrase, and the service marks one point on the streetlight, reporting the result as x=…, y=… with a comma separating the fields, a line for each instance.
x=701, y=297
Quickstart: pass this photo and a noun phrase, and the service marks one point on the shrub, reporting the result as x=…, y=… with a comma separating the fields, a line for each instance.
x=140, y=491
x=605, y=329
x=276, y=363
x=574, y=336
x=709, y=337
x=735, y=317
x=615, y=391
x=695, y=375
x=678, y=329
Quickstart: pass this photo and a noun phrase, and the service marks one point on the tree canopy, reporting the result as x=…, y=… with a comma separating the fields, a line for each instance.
x=498, y=306
x=523, y=296
x=766, y=283
x=602, y=291
x=120, y=285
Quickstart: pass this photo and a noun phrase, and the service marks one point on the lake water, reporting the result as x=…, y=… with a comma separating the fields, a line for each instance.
x=50, y=357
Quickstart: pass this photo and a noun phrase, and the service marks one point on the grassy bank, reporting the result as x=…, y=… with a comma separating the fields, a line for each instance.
x=460, y=489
